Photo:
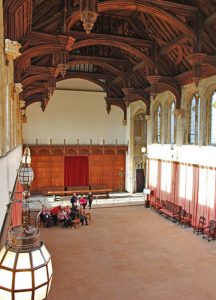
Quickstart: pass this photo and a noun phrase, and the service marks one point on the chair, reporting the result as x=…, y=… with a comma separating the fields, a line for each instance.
x=160, y=204
x=186, y=220
x=201, y=225
x=75, y=222
x=88, y=215
x=153, y=203
x=180, y=216
x=210, y=231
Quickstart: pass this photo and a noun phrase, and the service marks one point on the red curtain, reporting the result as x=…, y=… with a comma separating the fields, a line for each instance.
x=17, y=206
x=188, y=193
x=76, y=171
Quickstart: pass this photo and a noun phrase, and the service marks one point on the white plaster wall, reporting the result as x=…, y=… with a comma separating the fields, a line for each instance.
x=73, y=115
x=204, y=155
x=9, y=165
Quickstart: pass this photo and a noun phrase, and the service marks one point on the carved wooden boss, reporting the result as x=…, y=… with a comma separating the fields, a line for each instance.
x=135, y=50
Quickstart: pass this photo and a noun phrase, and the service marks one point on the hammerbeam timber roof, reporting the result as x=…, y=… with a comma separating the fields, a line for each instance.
x=136, y=47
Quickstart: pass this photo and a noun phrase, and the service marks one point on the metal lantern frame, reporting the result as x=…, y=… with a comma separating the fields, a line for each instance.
x=25, y=263
x=25, y=274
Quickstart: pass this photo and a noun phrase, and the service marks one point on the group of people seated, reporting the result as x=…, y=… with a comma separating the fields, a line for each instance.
x=67, y=214
x=64, y=215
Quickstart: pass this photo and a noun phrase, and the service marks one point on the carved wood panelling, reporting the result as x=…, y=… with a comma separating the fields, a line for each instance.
x=105, y=164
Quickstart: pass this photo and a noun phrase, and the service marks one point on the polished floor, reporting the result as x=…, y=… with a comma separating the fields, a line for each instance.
x=130, y=253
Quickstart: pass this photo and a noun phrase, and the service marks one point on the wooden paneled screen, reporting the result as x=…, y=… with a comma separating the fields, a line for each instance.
x=106, y=166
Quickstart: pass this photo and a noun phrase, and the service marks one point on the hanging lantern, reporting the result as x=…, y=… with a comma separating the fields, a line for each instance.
x=25, y=266
x=88, y=13
x=25, y=173
x=25, y=263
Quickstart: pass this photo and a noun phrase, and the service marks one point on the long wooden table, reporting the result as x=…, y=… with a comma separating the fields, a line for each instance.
x=99, y=191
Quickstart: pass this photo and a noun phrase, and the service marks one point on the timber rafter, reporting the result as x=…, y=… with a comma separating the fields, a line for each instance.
x=136, y=48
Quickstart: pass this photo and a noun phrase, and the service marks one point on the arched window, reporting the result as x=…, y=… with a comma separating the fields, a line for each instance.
x=194, y=128
x=213, y=119
x=172, y=121
x=157, y=125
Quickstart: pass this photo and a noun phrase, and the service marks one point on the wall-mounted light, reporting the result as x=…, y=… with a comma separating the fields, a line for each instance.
x=143, y=150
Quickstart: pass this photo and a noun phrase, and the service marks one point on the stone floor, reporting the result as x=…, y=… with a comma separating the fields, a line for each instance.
x=130, y=253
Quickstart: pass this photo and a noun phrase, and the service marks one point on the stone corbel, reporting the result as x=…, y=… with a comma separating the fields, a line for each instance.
x=18, y=88
x=22, y=103
x=147, y=117
x=12, y=50
x=179, y=113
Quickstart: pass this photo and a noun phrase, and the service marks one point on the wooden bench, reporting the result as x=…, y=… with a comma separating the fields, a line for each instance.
x=78, y=192
x=170, y=210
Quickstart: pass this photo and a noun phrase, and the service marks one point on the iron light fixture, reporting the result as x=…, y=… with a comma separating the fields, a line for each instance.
x=25, y=263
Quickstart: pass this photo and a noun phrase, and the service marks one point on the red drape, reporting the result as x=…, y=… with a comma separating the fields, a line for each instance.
x=186, y=183
x=17, y=206
x=76, y=171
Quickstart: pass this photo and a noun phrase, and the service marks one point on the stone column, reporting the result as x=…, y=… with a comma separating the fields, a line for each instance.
x=18, y=104
x=10, y=132
x=2, y=67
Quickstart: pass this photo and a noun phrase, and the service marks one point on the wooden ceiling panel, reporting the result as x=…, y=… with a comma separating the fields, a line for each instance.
x=134, y=45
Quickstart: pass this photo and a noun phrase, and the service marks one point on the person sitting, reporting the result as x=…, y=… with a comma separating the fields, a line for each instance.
x=43, y=215
x=67, y=218
x=60, y=216
x=54, y=212
x=75, y=213
x=46, y=217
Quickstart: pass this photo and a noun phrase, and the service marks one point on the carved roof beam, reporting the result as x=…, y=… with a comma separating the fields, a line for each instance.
x=123, y=46
x=209, y=21
x=173, y=44
x=176, y=8
x=115, y=71
x=34, y=78
x=137, y=25
x=97, y=76
x=109, y=60
x=38, y=90
x=62, y=43
x=35, y=98
x=117, y=102
x=160, y=85
x=36, y=70
x=136, y=5
x=15, y=25
x=197, y=60
x=133, y=94
x=80, y=35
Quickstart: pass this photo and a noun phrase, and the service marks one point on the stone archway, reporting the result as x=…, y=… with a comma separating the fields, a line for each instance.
x=139, y=141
